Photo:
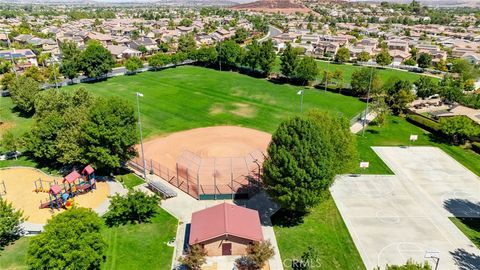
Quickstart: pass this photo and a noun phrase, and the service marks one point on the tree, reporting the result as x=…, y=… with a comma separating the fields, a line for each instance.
x=343, y=55
x=450, y=89
x=186, y=43
x=110, y=133
x=465, y=69
x=34, y=73
x=399, y=95
x=363, y=79
x=442, y=65
x=380, y=107
x=133, y=64
x=5, y=66
x=10, y=220
x=302, y=162
x=70, y=51
x=252, y=57
x=384, y=58
x=96, y=61
x=206, y=55
x=195, y=258
x=159, y=60
x=229, y=53
x=69, y=69
x=9, y=142
x=258, y=254
x=425, y=87
x=424, y=60
x=7, y=80
x=71, y=240
x=135, y=207
x=289, y=60
x=241, y=35
x=306, y=70
x=363, y=56
x=267, y=57
x=23, y=92
x=459, y=128
x=410, y=62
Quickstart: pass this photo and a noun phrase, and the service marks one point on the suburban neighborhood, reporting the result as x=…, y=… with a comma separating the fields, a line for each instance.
x=212, y=134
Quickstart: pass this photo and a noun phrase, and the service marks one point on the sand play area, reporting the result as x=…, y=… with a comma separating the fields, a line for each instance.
x=217, y=142
x=19, y=183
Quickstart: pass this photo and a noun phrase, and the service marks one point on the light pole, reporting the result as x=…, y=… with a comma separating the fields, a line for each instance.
x=364, y=120
x=301, y=99
x=138, y=94
x=326, y=76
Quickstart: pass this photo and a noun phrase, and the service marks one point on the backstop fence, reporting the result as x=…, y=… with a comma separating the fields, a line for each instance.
x=209, y=178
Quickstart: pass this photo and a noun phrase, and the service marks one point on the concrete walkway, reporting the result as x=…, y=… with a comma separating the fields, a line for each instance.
x=358, y=125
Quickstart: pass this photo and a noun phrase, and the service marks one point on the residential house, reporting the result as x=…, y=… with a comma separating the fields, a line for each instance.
x=398, y=56
x=23, y=58
x=146, y=42
x=104, y=39
x=122, y=52
x=397, y=45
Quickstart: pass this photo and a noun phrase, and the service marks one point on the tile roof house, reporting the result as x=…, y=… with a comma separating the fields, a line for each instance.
x=23, y=58
x=122, y=52
x=225, y=229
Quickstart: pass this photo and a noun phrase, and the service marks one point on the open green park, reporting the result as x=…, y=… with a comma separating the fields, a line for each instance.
x=188, y=97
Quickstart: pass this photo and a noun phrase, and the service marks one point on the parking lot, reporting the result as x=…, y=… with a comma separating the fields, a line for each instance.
x=397, y=217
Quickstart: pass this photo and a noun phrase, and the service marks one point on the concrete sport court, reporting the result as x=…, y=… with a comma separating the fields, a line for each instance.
x=396, y=217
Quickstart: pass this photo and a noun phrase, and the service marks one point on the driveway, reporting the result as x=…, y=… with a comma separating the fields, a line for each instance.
x=394, y=218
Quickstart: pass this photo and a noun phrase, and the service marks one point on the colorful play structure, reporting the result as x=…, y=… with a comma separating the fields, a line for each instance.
x=43, y=185
x=74, y=184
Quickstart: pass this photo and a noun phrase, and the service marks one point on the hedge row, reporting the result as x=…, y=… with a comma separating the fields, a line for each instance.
x=424, y=123
x=476, y=147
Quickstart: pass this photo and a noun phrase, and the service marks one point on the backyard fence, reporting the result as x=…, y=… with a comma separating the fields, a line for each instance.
x=209, y=178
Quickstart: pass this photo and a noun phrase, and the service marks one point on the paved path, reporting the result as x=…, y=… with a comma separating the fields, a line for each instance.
x=397, y=217
x=358, y=125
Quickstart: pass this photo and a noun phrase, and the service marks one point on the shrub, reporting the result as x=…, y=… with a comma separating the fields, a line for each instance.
x=424, y=123
x=10, y=220
x=136, y=207
x=476, y=147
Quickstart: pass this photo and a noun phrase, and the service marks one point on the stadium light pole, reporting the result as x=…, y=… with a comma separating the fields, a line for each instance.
x=364, y=120
x=301, y=99
x=326, y=76
x=138, y=94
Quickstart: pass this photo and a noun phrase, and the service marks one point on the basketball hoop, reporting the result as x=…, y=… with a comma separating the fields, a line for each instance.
x=434, y=255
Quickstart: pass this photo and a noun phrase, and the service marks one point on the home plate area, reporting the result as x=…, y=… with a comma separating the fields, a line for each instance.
x=393, y=218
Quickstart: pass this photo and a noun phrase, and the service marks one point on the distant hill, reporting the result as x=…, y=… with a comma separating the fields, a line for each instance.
x=438, y=3
x=283, y=6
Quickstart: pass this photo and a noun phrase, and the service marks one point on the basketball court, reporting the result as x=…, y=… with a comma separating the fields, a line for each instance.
x=394, y=218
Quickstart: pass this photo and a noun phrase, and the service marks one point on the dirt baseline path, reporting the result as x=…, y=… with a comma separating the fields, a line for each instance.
x=19, y=183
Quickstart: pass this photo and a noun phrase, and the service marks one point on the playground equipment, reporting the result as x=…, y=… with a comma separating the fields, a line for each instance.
x=3, y=189
x=43, y=185
x=73, y=184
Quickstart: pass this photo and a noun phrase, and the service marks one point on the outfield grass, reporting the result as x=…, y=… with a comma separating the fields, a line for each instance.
x=396, y=132
x=14, y=257
x=470, y=227
x=324, y=229
x=189, y=97
x=129, y=247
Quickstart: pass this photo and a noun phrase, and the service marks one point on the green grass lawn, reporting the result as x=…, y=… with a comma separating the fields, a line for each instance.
x=14, y=257
x=141, y=246
x=129, y=180
x=189, y=97
x=11, y=119
x=129, y=247
x=470, y=227
x=396, y=132
x=324, y=229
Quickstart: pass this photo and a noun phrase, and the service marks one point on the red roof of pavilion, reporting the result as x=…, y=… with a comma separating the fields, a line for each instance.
x=71, y=177
x=55, y=189
x=88, y=170
x=223, y=220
